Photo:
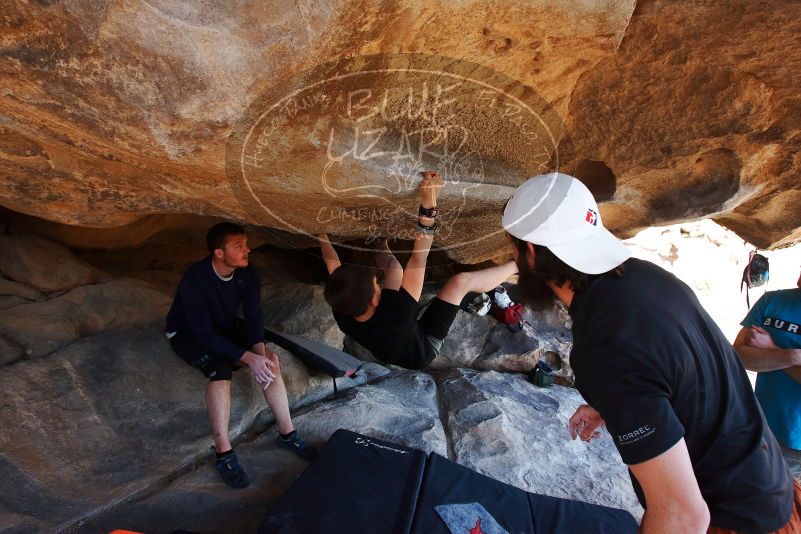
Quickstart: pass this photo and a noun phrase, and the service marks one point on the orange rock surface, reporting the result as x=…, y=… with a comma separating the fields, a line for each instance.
x=131, y=114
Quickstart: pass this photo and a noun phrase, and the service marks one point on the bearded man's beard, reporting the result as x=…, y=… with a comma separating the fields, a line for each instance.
x=532, y=291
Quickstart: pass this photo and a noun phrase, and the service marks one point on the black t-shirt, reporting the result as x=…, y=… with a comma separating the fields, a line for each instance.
x=392, y=334
x=653, y=363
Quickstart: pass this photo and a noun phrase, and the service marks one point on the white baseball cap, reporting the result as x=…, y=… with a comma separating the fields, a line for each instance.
x=558, y=211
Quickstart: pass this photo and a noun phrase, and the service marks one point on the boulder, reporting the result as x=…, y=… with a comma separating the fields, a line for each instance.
x=15, y=289
x=99, y=420
x=42, y=264
x=501, y=425
x=10, y=349
x=305, y=385
x=113, y=415
x=42, y=327
x=131, y=115
x=9, y=301
x=401, y=407
x=495, y=423
x=300, y=309
x=684, y=120
x=486, y=343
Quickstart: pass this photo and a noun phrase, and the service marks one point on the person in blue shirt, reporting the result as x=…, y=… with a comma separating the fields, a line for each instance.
x=770, y=343
x=204, y=331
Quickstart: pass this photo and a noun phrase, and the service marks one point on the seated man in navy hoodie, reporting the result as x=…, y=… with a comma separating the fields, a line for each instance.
x=203, y=331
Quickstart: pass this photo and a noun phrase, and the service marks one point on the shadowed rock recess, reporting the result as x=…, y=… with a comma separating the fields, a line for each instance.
x=104, y=427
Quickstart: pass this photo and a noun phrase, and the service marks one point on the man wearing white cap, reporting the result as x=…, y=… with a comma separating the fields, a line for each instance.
x=654, y=368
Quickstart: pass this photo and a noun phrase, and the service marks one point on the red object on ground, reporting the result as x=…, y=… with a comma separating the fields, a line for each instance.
x=477, y=529
x=511, y=315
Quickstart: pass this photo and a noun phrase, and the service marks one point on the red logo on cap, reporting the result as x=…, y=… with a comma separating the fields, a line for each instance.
x=592, y=217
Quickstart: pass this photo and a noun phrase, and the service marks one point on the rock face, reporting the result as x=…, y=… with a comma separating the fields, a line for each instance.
x=10, y=288
x=42, y=327
x=95, y=419
x=401, y=407
x=503, y=426
x=96, y=406
x=485, y=343
x=125, y=114
x=301, y=309
x=497, y=424
x=698, y=116
x=29, y=259
x=112, y=415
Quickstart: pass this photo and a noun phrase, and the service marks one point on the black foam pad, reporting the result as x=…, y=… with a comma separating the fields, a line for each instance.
x=316, y=355
x=355, y=484
x=364, y=485
x=468, y=494
x=551, y=514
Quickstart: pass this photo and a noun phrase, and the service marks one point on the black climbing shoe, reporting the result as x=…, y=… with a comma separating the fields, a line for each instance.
x=297, y=445
x=231, y=471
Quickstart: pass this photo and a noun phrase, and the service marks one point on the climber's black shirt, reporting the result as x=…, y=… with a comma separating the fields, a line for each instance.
x=393, y=333
x=654, y=364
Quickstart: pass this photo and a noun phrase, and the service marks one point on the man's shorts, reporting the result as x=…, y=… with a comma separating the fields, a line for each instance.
x=436, y=321
x=214, y=366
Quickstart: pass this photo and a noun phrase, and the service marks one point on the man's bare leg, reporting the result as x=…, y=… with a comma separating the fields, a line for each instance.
x=277, y=400
x=481, y=281
x=218, y=406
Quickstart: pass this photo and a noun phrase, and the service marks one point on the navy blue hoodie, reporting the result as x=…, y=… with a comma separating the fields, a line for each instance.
x=205, y=308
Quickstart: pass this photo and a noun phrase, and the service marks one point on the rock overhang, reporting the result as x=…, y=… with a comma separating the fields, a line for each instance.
x=114, y=117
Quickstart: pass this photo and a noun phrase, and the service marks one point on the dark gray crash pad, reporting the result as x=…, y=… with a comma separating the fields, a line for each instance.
x=332, y=361
x=358, y=484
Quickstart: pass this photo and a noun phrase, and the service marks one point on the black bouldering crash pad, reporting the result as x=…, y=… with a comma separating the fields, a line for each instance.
x=359, y=484
x=355, y=484
x=331, y=361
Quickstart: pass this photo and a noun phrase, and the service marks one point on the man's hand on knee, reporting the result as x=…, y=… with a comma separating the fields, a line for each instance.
x=272, y=356
x=261, y=366
x=276, y=363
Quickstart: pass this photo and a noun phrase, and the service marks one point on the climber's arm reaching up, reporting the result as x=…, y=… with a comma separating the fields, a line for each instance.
x=415, y=272
x=393, y=272
x=330, y=256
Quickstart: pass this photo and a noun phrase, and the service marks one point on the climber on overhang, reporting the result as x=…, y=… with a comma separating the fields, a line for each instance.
x=203, y=330
x=654, y=368
x=384, y=320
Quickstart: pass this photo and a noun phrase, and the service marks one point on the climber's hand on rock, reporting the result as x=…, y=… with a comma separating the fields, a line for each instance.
x=585, y=423
x=429, y=189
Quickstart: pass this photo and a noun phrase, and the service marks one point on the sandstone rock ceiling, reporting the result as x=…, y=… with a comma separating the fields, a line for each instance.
x=130, y=113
